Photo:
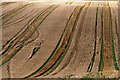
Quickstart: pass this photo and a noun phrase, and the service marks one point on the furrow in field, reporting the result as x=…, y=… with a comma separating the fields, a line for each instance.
x=95, y=42
x=108, y=42
x=19, y=43
x=85, y=45
x=61, y=57
x=22, y=18
x=101, y=62
x=70, y=53
x=4, y=4
x=14, y=12
x=62, y=43
x=113, y=43
x=8, y=8
x=50, y=35
x=23, y=31
x=75, y=66
x=114, y=28
x=98, y=39
x=19, y=28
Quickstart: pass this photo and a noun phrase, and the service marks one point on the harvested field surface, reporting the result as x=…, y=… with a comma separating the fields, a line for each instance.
x=60, y=39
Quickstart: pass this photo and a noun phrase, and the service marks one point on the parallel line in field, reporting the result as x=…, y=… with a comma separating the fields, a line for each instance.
x=12, y=11
x=76, y=43
x=21, y=41
x=108, y=46
x=61, y=57
x=95, y=43
x=61, y=51
x=19, y=32
x=53, y=52
x=101, y=63
x=4, y=4
x=22, y=18
x=9, y=44
x=8, y=16
x=113, y=47
x=22, y=32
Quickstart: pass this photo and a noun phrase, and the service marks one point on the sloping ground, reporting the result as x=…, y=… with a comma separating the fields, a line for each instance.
x=59, y=40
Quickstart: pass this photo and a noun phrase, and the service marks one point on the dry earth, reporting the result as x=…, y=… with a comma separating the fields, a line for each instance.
x=63, y=40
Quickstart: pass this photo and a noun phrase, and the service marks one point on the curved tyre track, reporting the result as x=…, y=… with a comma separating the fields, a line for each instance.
x=22, y=18
x=59, y=51
x=44, y=30
x=19, y=27
x=74, y=66
x=60, y=41
x=18, y=43
x=73, y=48
x=12, y=13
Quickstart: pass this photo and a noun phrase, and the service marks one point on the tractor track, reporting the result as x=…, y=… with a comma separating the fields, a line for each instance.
x=95, y=43
x=4, y=4
x=101, y=63
x=8, y=16
x=61, y=50
x=113, y=44
x=23, y=31
x=22, y=18
x=67, y=61
x=83, y=44
x=108, y=48
x=19, y=42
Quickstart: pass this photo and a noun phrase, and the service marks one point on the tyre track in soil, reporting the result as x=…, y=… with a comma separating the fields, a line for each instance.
x=116, y=36
x=113, y=41
x=19, y=29
x=115, y=30
x=69, y=70
x=50, y=34
x=9, y=8
x=61, y=51
x=108, y=42
x=8, y=65
x=14, y=12
x=78, y=38
x=24, y=30
x=101, y=63
x=60, y=59
x=4, y=4
x=22, y=18
x=98, y=39
x=85, y=51
x=20, y=42
x=67, y=61
x=95, y=43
